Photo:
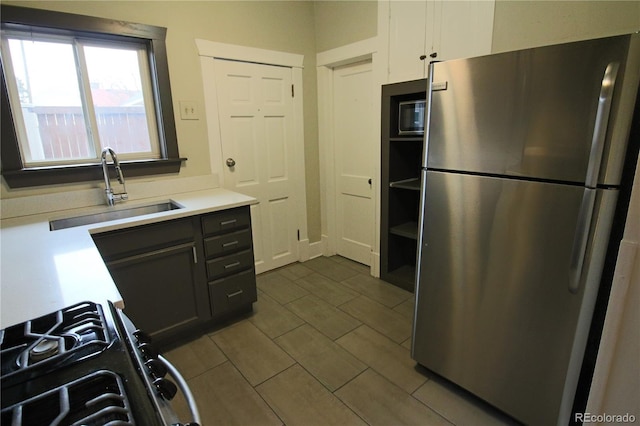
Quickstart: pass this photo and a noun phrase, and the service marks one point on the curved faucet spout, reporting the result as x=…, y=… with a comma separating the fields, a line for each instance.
x=112, y=197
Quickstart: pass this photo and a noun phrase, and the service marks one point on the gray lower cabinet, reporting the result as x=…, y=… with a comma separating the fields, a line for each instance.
x=156, y=269
x=180, y=276
x=230, y=263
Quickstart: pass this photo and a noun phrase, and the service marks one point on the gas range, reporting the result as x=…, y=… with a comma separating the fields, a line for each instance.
x=85, y=365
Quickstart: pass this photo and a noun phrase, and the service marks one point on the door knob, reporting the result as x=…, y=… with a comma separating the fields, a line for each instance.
x=231, y=162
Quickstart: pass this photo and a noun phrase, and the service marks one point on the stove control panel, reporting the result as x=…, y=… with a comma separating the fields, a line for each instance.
x=155, y=370
x=154, y=366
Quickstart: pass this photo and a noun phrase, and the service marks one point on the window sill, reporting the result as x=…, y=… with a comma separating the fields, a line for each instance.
x=39, y=176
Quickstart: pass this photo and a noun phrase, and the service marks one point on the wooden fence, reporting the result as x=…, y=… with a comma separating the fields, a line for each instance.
x=63, y=131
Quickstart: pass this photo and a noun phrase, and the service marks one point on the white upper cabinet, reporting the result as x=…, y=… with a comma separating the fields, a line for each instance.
x=407, y=38
x=426, y=30
x=463, y=28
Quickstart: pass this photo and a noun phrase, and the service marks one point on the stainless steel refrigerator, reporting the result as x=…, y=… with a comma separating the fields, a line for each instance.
x=522, y=161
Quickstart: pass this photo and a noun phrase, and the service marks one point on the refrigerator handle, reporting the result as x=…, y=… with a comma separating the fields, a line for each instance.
x=579, y=250
x=600, y=127
x=427, y=117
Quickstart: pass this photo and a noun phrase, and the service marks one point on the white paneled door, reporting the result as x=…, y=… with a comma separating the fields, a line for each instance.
x=256, y=124
x=354, y=137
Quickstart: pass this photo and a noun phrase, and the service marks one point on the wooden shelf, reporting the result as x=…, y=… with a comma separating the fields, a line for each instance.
x=406, y=139
x=407, y=230
x=413, y=184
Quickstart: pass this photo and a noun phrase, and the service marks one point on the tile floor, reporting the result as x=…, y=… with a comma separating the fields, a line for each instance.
x=326, y=344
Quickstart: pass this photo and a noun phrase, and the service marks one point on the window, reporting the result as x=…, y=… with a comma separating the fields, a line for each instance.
x=76, y=97
x=73, y=85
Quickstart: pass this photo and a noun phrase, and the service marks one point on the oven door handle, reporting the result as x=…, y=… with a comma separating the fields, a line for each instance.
x=184, y=388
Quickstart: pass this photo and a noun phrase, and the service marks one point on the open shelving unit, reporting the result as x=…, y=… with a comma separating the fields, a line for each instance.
x=411, y=183
x=401, y=158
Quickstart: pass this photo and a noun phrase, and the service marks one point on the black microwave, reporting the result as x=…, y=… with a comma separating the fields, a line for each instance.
x=411, y=117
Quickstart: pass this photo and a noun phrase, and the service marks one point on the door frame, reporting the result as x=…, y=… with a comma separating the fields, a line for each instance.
x=210, y=50
x=326, y=62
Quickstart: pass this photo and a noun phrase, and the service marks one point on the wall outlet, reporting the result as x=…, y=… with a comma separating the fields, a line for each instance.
x=188, y=110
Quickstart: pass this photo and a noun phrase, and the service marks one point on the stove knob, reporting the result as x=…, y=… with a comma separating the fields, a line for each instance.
x=156, y=367
x=141, y=336
x=148, y=351
x=166, y=388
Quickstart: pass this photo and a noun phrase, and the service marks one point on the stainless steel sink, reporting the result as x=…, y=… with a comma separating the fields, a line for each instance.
x=70, y=222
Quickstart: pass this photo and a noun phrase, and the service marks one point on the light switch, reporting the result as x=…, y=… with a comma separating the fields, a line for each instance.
x=188, y=110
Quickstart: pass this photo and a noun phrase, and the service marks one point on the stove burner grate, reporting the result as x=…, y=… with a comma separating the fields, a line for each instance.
x=97, y=399
x=72, y=333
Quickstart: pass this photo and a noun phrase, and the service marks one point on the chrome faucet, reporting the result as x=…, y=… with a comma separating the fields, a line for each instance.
x=111, y=197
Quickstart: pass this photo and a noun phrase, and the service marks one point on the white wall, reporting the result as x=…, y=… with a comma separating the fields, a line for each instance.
x=339, y=23
x=522, y=24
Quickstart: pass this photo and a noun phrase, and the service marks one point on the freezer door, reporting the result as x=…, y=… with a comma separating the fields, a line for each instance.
x=530, y=113
x=494, y=313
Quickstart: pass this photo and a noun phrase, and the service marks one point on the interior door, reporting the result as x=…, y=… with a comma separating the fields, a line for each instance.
x=256, y=125
x=354, y=160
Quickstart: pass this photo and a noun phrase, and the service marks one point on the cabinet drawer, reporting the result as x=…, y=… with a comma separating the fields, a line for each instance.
x=221, y=266
x=232, y=292
x=225, y=221
x=227, y=243
x=127, y=242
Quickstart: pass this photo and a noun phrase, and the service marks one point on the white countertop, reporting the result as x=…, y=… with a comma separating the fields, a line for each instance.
x=42, y=271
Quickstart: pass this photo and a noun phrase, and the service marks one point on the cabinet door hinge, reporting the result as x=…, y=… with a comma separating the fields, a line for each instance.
x=292, y=91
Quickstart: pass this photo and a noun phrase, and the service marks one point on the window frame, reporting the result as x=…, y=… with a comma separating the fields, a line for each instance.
x=26, y=19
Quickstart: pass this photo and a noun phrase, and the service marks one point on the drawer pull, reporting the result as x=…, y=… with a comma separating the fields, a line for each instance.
x=229, y=244
x=228, y=222
x=232, y=265
x=234, y=294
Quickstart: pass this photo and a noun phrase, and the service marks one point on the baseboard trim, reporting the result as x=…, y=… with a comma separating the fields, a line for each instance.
x=375, y=264
x=303, y=250
x=316, y=249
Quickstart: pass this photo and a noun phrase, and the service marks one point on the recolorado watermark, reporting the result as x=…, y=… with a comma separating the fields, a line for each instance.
x=604, y=418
